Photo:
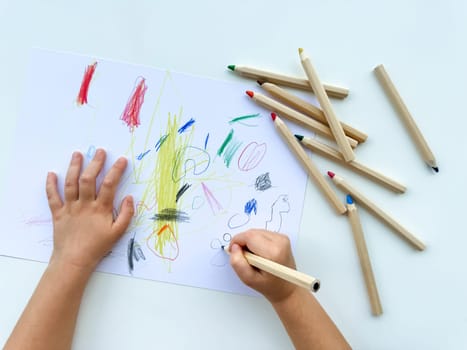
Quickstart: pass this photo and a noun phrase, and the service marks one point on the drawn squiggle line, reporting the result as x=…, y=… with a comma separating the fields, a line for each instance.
x=91, y=152
x=171, y=240
x=185, y=126
x=195, y=160
x=206, y=141
x=132, y=109
x=181, y=191
x=239, y=220
x=216, y=207
x=241, y=119
x=141, y=155
x=161, y=142
x=279, y=206
x=220, y=258
x=83, y=91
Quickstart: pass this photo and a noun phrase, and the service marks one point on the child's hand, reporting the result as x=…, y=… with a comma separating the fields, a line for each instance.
x=269, y=245
x=84, y=228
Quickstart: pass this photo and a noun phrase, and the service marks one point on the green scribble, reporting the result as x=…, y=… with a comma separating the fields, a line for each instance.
x=225, y=143
x=243, y=117
x=230, y=151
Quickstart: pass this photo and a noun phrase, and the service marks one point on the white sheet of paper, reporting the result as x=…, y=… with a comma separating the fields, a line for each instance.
x=226, y=192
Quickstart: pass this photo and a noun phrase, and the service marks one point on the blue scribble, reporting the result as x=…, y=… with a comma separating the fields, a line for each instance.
x=91, y=151
x=206, y=141
x=141, y=155
x=186, y=126
x=250, y=206
x=160, y=142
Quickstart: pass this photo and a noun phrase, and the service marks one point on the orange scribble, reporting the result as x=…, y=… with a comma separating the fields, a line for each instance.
x=162, y=229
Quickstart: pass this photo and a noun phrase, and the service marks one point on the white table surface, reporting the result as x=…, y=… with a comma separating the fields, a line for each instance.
x=423, y=46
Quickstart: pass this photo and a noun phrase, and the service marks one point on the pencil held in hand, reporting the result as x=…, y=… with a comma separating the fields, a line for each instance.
x=286, y=273
x=406, y=117
x=363, y=256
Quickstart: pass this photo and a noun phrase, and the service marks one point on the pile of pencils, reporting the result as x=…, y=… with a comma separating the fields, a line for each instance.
x=324, y=122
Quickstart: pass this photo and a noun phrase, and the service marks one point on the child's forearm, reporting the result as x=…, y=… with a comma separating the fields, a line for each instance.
x=49, y=319
x=307, y=324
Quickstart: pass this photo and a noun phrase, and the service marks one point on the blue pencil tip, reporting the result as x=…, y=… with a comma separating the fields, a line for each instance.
x=349, y=199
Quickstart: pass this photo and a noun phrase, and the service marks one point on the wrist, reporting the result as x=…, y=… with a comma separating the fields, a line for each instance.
x=69, y=271
x=293, y=299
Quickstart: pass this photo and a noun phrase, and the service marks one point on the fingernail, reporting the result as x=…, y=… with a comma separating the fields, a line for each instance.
x=75, y=155
x=99, y=154
x=234, y=248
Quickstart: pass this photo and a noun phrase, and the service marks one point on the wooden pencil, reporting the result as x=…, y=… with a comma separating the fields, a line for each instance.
x=325, y=104
x=309, y=166
x=364, y=257
x=407, y=118
x=295, y=116
x=285, y=80
x=333, y=154
x=376, y=211
x=308, y=109
x=286, y=273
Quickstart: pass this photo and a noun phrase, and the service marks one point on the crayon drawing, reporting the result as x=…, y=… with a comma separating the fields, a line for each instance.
x=202, y=166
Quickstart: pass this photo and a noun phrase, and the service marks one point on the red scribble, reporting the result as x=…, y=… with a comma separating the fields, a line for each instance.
x=130, y=114
x=83, y=91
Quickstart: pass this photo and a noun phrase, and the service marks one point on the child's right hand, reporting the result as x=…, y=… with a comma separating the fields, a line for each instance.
x=269, y=245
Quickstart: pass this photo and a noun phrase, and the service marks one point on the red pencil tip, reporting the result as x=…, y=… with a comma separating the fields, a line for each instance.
x=273, y=116
x=250, y=93
x=331, y=174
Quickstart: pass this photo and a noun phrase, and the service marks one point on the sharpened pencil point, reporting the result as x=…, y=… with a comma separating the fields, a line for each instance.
x=300, y=50
x=260, y=82
x=273, y=116
x=435, y=168
x=331, y=174
x=349, y=199
x=299, y=137
x=250, y=93
x=231, y=67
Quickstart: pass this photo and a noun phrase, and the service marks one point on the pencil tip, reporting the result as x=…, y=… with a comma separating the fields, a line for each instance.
x=435, y=168
x=250, y=93
x=231, y=67
x=300, y=50
x=299, y=137
x=331, y=174
x=349, y=199
x=260, y=82
x=273, y=116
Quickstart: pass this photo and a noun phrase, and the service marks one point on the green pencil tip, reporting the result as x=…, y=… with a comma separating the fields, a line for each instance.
x=231, y=67
x=299, y=137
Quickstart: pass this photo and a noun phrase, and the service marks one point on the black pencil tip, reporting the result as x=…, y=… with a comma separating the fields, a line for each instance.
x=435, y=168
x=260, y=82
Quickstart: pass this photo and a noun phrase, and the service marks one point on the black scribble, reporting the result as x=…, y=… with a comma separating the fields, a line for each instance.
x=130, y=251
x=171, y=214
x=181, y=191
x=263, y=182
x=138, y=252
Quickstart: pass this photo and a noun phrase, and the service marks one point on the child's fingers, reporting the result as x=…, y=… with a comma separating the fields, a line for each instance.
x=243, y=269
x=123, y=219
x=72, y=177
x=53, y=197
x=112, y=179
x=87, y=181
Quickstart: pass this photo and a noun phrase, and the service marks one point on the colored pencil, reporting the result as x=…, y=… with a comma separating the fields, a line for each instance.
x=407, y=118
x=285, y=80
x=325, y=104
x=295, y=116
x=376, y=211
x=333, y=154
x=307, y=163
x=363, y=256
x=286, y=273
x=308, y=109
